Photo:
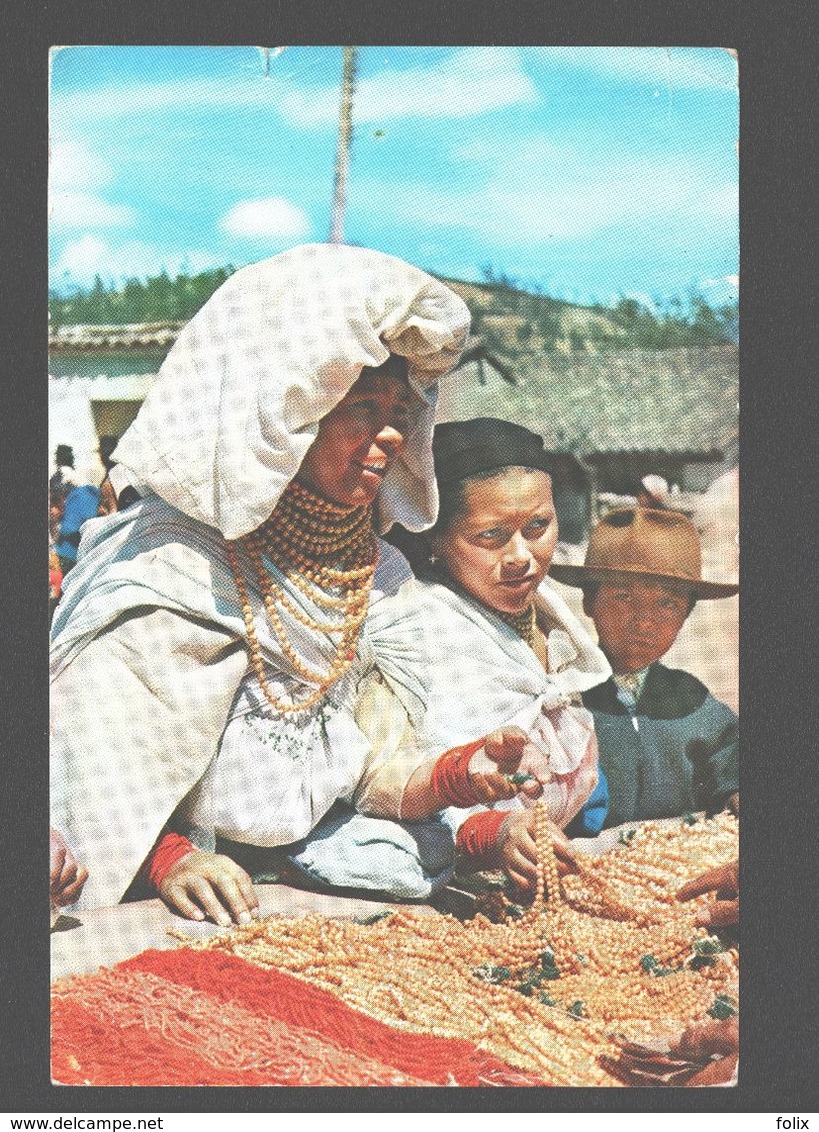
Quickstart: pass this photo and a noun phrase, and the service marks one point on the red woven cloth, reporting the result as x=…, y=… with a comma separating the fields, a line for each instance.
x=188, y=1017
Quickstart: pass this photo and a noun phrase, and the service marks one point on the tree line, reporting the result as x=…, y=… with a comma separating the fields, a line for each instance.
x=158, y=299
x=534, y=321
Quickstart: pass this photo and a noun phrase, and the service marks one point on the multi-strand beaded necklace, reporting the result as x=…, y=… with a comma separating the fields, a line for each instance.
x=326, y=551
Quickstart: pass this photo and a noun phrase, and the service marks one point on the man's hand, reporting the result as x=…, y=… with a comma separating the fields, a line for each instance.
x=66, y=876
x=492, y=770
x=518, y=852
x=210, y=884
x=724, y=881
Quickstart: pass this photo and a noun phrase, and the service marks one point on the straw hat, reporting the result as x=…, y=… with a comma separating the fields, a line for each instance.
x=640, y=542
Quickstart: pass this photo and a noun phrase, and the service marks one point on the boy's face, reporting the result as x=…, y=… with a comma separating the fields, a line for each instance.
x=637, y=622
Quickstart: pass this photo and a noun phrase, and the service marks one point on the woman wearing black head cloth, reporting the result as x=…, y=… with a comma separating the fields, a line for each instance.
x=495, y=648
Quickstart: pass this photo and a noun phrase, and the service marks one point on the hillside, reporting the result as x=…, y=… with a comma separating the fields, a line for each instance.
x=512, y=322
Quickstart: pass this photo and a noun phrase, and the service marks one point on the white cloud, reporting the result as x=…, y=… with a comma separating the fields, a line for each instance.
x=468, y=83
x=130, y=100
x=84, y=210
x=74, y=166
x=76, y=174
x=522, y=190
x=561, y=199
x=272, y=217
x=678, y=68
x=83, y=259
x=463, y=84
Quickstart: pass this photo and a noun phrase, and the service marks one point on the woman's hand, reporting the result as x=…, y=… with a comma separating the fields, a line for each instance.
x=210, y=884
x=518, y=852
x=66, y=876
x=492, y=769
x=723, y=880
x=710, y=1038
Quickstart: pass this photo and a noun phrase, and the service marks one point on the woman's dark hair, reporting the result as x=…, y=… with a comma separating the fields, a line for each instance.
x=463, y=452
x=417, y=546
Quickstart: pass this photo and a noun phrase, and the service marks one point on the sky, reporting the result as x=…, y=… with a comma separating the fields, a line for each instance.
x=590, y=173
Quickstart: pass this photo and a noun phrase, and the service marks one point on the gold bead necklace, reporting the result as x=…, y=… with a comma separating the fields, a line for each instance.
x=328, y=553
x=524, y=623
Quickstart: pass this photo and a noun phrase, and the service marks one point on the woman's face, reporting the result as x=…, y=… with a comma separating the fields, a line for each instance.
x=500, y=545
x=358, y=440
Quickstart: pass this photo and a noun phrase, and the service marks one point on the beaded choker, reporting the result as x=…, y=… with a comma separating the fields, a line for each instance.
x=327, y=552
x=524, y=623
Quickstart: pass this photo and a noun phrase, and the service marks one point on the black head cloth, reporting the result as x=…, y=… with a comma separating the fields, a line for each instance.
x=462, y=449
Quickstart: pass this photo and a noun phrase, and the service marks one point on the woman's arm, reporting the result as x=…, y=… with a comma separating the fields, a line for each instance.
x=136, y=720
x=481, y=771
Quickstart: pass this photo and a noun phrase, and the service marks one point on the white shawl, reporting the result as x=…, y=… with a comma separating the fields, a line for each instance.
x=148, y=639
x=478, y=675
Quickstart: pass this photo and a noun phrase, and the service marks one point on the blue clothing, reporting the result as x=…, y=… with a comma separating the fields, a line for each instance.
x=592, y=817
x=81, y=504
x=682, y=756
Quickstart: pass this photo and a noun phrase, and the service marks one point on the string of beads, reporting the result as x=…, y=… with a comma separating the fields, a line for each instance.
x=327, y=552
x=545, y=991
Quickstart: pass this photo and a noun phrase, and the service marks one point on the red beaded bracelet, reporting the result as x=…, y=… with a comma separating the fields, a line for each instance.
x=167, y=851
x=478, y=836
x=450, y=779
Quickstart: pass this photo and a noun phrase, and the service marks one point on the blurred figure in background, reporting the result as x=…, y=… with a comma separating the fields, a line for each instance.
x=108, y=497
x=81, y=503
x=60, y=483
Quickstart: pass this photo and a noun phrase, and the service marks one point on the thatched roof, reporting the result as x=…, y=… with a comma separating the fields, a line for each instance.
x=670, y=401
x=617, y=401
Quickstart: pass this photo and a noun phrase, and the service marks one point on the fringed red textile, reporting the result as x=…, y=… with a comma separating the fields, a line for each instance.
x=189, y=1017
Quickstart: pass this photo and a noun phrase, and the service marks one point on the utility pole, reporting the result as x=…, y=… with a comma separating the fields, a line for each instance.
x=345, y=132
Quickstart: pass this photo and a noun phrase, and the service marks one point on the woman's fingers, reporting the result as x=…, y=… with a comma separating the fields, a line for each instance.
x=711, y=1036
x=72, y=891
x=522, y=880
x=566, y=856
x=492, y=787
x=178, y=898
x=235, y=897
x=68, y=873
x=718, y=1072
x=202, y=890
x=531, y=788
x=506, y=748
x=251, y=896
x=207, y=884
x=518, y=864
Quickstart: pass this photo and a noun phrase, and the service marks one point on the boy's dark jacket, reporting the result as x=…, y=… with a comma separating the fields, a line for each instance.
x=682, y=758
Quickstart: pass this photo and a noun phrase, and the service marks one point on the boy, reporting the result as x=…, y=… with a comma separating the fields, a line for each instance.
x=667, y=747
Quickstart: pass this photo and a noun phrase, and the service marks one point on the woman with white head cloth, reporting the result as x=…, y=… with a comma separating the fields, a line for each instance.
x=237, y=587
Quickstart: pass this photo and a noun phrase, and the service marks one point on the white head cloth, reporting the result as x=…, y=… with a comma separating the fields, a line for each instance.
x=238, y=399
